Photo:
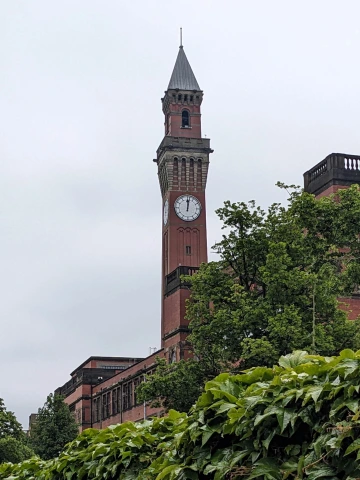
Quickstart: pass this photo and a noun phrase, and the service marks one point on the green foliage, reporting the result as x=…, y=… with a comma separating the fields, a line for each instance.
x=14, y=450
x=13, y=442
x=121, y=451
x=9, y=426
x=54, y=428
x=275, y=287
x=298, y=419
x=173, y=387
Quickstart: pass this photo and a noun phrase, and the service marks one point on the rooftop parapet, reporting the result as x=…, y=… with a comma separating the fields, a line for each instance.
x=336, y=169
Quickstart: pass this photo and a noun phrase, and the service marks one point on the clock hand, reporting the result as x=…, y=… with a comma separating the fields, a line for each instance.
x=187, y=201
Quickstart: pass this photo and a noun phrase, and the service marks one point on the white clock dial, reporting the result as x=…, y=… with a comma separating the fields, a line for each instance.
x=166, y=212
x=187, y=207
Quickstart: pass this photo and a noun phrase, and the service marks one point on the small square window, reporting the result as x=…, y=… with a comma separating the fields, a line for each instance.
x=188, y=250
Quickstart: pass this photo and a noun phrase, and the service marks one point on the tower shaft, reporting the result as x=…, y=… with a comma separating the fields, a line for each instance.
x=183, y=162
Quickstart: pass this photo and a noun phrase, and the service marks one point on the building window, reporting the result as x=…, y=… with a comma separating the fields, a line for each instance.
x=172, y=355
x=114, y=402
x=96, y=409
x=104, y=406
x=127, y=396
x=185, y=119
x=108, y=404
x=188, y=250
x=118, y=399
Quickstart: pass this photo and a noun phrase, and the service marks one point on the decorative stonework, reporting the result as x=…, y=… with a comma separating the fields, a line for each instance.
x=183, y=164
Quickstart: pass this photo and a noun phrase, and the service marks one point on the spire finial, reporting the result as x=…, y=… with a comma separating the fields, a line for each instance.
x=181, y=45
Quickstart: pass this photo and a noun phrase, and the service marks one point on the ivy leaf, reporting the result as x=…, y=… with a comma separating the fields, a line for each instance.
x=206, y=437
x=353, y=447
x=313, y=392
x=284, y=417
x=294, y=359
x=319, y=472
x=268, y=467
x=347, y=353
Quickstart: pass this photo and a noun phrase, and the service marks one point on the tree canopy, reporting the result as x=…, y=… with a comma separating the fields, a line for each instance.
x=54, y=428
x=300, y=419
x=14, y=450
x=274, y=289
x=13, y=442
x=9, y=426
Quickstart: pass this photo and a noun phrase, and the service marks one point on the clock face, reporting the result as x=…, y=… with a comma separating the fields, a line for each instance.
x=187, y=207
x=166, y=212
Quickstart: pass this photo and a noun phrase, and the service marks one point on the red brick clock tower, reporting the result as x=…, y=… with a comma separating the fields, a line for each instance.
x=183, y=161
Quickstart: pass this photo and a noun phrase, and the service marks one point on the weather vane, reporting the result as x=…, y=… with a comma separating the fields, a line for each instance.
x=181, y=37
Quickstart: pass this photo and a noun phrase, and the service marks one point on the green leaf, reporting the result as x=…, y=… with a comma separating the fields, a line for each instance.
x=353, y=447
x=226, y=406
x=267, y=467
x=319, y=472
x=352, y=405
x=206, y=437
x=284, y=417
x=347, y=353
x=313, y=392
x=294, y=359
x=168, y=471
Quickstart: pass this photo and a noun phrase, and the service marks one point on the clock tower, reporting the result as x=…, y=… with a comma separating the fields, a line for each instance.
x=183, y=161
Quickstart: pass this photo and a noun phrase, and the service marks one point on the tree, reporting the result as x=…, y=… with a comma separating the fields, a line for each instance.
x=274, y=289
x=184, y=382
x=14, y=450
x=13, y=441
x=54, y=428
x=9, y=426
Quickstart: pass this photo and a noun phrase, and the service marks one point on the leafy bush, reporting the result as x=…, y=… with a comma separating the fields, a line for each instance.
x=14, y=450
x=298, y=419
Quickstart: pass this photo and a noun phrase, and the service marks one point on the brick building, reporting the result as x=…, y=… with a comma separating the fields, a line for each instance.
x=102, y=390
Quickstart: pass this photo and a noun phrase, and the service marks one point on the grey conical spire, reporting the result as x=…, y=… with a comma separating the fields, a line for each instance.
x=182, y=76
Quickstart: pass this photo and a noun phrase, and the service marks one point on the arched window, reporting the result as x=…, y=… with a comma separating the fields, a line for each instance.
x=185, y=119
x=172, y=355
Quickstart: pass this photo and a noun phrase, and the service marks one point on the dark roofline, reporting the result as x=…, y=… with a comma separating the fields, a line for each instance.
x=155, y=354
x=118, y=359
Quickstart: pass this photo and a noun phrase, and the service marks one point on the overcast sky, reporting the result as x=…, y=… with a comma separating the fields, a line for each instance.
x=80, y=121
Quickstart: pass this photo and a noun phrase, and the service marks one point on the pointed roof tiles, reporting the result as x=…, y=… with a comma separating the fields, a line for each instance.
x=182, y=76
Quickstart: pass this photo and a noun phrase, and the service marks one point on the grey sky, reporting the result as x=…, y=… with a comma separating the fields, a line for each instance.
x=80, y=120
